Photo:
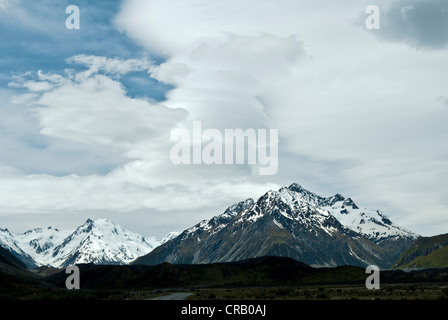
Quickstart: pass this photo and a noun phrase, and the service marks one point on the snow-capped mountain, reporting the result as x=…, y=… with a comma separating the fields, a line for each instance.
x=371, y=223
x=100, y=242
x=292, y=222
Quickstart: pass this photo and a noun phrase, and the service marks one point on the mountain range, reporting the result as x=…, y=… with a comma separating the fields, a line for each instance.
x=100, y=242
x=291, y=222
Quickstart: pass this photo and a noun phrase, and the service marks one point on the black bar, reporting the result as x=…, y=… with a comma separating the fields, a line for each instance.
x=225, y=309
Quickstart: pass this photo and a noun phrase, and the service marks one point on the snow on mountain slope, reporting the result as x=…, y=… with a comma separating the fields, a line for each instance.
x=169, y=236
x=217, y=223
x=100, y=242
x=371, y=223
x=39, y=243
x=375, y=225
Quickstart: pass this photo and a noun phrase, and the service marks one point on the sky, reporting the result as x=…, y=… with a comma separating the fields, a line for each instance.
x=87, y=115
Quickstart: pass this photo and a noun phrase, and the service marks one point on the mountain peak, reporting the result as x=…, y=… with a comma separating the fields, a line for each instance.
x=295, y=187
x=98, y=224
x=103, y=222
x=336, y=198
x=349, y=203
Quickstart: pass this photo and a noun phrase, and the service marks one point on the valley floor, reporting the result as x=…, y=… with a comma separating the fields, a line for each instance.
x=403, y=291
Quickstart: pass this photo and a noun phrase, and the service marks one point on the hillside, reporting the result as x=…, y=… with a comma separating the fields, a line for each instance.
x=425, y=252
x=8, y=259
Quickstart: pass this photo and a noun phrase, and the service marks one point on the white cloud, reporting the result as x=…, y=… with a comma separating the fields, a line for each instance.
x=110, y=66
x=37, y=86
x=90, y=107
x=342, y=101
x=98, y=110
